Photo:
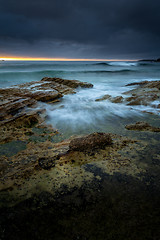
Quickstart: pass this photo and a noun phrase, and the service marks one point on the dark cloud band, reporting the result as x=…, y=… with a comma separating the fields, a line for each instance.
x=105, y=27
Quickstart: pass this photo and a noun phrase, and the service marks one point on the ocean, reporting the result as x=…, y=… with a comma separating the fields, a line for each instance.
x=50, y=191
x=80, y=113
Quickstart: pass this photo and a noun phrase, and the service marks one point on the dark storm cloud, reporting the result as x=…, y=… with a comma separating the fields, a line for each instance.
x=80, y=28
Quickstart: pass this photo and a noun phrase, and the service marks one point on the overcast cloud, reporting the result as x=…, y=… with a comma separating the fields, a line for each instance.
x=80, y=28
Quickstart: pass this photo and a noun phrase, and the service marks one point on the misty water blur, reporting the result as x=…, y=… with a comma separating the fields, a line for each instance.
x=79, y=113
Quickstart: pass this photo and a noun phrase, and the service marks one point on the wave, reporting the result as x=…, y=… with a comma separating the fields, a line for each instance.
x=101, y=64
x=116, y=64
x=68, y=71
x=145, y=64
x=108, y=71
x=30, y=72
x=122, y=64
x=89, y=71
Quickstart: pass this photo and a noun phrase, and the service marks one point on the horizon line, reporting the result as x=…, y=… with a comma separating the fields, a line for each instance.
x=12, y=58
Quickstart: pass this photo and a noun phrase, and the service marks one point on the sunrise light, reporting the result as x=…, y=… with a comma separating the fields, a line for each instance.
x=15, y=58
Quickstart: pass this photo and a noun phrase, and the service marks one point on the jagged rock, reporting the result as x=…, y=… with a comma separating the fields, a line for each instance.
x=142, y=126
x=8, y=110
x=118, y=99
x=19, y=126
x=15, y=99
x=90, y=142
x=69, y=83
x=45, y=90
x=146, y=84
x=142, y=100
x=105, y=97
x=47, y=96
x=144, y=94
x=136, y=100
x=137, y=83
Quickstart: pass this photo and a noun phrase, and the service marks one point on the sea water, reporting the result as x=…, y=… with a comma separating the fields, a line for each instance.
x=80, y=113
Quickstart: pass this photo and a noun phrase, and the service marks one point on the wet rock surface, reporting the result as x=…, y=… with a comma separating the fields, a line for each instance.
x=91, y=142
x=17, y=104
x=95, y=186
x=69, y=83
x=118, y=99
x=105, y=97
x=87, y=212
x=142, y=126
x=146, y=93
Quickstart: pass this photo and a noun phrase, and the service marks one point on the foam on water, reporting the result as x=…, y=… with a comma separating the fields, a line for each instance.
x=123, y=64
x=81, y=111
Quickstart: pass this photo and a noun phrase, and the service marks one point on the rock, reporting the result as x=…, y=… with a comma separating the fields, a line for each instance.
x=142, y=126
x=137, y=83
x=153, y=84
x=47, y=96
x=47, y=162
x=105, y=97
x=90, y=142
x=16, y=106
x=144, y=99
x=28, y=120
x=19, y=127
x=145, y=94
x=150, y=60
x=45, y=90
x=3, y=165
x=8, y=110
x=136, y=100
x=69, y=83
x=118, y=99
x=146, y=84
x=22, y=119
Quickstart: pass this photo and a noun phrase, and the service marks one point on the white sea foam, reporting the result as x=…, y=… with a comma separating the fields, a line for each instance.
x=123, y=64
x=80, y=110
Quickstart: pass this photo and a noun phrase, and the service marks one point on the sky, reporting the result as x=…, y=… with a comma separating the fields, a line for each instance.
x=101, y=29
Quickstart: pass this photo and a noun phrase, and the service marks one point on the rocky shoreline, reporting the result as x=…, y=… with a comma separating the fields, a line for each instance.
x=77, y=183
x=146, y=93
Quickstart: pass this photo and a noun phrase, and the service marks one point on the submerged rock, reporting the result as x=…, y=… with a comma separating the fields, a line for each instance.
x=105, y=97
x=118, y=99
x=142, y=126
x=15, y=99
x=90, y=142
x=17, y=103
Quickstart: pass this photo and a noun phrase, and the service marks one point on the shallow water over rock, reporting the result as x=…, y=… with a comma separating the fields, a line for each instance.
x=54, y=188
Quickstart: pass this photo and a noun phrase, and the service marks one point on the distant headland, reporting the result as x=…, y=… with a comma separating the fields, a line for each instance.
x=150, y=60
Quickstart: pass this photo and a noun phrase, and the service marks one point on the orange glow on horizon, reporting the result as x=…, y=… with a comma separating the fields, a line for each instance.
x=12, y=58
